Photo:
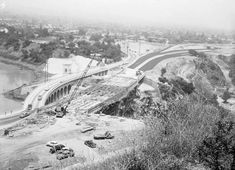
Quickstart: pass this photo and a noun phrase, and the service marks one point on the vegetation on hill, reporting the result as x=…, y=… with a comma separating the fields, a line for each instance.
x=232, y=68
x=212, y=71
x=106, y=48
x=183, y=134
x=18, y=44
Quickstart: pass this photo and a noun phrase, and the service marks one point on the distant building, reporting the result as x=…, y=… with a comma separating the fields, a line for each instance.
x=73, y=64
x=3, y=30
x=44, y=40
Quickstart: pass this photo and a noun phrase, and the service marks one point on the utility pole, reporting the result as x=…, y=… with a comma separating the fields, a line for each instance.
x=127, y=48
x=139, y=46
x=46, y=71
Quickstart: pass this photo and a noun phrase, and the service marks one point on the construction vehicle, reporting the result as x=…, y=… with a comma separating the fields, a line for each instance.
x=30, y=106
x=62, y=110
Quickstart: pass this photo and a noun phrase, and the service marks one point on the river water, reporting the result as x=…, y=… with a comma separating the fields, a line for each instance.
x=11, y=77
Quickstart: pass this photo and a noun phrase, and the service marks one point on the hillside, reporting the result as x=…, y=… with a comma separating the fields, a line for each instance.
x=203, y=73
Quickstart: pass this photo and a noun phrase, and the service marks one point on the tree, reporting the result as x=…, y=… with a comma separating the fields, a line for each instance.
x=186, y=87
x=202, y=55
x=112, y=52
x=82, y=32
x=193, y=52
x=226, y=95
x=26, y=43
x=66, y=54
x=232, y=68
x=35, y=56
x=163, y=71
x=71, y=45
x=43, y=32
x=218, y=150
x=47, y=49
x=95, y=37
x=25, y=54
x=175, y=131
x=12, y=41
x=109, y=39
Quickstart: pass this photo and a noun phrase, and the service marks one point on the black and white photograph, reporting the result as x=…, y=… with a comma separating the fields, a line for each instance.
x=117, y=84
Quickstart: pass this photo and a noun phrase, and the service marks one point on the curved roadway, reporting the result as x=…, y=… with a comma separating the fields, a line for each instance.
x=150, y=60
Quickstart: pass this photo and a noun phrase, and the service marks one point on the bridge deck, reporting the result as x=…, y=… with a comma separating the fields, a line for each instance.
x=99, y=94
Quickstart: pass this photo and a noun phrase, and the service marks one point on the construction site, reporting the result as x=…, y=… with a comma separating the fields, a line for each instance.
x=104, y=93
x=80, y=125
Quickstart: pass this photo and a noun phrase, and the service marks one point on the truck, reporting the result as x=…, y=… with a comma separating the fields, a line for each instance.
x=60, y=111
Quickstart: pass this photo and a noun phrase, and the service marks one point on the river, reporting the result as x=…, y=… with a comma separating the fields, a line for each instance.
x=11, y=77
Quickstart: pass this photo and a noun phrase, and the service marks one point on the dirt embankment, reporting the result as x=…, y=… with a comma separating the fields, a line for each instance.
x=205, y=74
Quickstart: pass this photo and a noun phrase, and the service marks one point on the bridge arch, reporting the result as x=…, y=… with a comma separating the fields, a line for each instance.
x=58, y=94
x=61, y=92
x=69, y=88
x=54, y=96
x=49, y=100
x=46, y=102
x=65, y=90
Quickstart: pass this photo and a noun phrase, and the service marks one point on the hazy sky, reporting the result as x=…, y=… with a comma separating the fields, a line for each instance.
x=217, y=14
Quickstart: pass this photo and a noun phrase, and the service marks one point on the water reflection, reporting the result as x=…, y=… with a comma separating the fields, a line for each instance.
x=11, y=77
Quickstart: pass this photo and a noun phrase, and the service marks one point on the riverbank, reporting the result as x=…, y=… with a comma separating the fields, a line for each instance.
x=36, y=70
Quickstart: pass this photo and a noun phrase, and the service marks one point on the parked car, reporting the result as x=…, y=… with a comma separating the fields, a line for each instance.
x=65, y=153
x=30, y=106
x=56, y=148
x=51, y=143
x=25, y=114
x=50, y=113
x=39, y=97
x=69, y=152
x=61, y=156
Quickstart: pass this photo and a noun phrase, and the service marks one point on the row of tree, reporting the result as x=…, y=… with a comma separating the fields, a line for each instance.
x=232, y=68
x=39, y=55
x=108, y=50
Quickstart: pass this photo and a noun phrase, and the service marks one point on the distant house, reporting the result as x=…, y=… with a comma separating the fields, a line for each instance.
x=73, y=64
x=3, y=30
x=44, y=40
x=95, y=54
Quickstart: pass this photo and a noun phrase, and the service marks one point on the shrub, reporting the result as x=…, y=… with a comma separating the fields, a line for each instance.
x=174, y=133
x=217, y=151
x=226, y=95
x=193, y=52
x=163, y=71
x=174, y=87
x=186, y=87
